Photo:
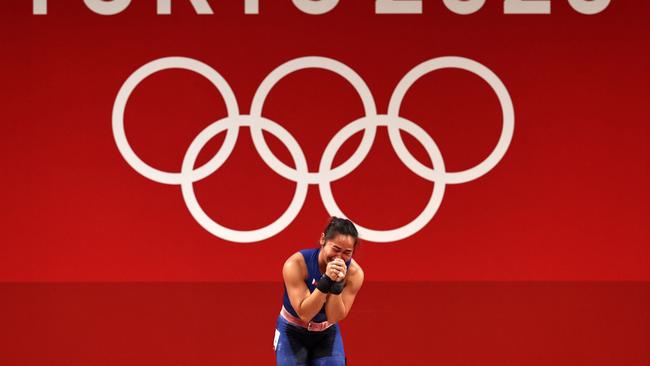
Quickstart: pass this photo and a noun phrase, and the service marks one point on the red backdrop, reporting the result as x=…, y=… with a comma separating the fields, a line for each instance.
x=568, y=201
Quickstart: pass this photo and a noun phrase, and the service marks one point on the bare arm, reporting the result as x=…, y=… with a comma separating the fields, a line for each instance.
x=338, y=307
x=305, y=304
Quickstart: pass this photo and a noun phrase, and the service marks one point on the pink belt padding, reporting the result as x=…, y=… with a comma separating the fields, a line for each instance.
x=310, y=326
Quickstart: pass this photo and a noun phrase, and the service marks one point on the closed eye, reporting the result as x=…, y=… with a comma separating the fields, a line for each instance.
x=338, y=249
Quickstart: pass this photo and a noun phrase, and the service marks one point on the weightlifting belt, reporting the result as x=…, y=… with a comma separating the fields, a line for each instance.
x=310, y=326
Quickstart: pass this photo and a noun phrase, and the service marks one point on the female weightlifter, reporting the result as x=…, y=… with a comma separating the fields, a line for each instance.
x=320, y=285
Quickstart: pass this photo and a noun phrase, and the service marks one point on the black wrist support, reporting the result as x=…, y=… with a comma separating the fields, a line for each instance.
x=337, y=287
x=324, y=284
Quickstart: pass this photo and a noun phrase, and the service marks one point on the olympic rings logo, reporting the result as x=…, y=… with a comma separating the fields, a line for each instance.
x=326, y=174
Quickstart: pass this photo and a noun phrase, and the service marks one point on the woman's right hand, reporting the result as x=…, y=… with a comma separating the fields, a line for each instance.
x=336, y=270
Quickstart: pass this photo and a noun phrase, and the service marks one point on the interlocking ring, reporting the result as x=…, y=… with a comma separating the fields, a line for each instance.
x=325, y=175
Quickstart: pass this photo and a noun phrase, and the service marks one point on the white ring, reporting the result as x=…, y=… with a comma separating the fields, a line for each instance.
x=306, y=63
x=383, y=236
x=504, y=100
x=122, y=98
x=243, y=236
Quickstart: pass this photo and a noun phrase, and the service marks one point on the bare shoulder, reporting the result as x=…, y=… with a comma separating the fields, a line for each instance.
x=295, y=266
x=356, y=272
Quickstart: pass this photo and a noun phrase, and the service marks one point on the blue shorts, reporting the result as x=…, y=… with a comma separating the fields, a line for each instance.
x=296, y=346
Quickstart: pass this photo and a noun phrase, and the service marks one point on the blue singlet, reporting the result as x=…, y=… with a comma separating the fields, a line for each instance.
x=296, y=346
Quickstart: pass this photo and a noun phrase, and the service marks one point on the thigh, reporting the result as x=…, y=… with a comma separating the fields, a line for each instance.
x=329, y=361
x=288, y=350
x=330, y=351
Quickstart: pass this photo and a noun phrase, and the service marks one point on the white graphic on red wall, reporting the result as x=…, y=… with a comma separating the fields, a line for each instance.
x=326, y=174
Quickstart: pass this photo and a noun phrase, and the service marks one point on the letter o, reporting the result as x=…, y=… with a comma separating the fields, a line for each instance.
x=110, y=7
x=589, y=7
x=464, y=7
x=315, y=7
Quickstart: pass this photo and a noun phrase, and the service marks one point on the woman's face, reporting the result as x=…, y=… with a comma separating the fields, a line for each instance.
x=340, y=246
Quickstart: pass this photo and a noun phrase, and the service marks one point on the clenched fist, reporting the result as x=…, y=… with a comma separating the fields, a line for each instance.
x=336, y=270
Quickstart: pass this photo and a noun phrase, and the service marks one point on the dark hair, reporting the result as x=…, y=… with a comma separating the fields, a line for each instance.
x=341, y=226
